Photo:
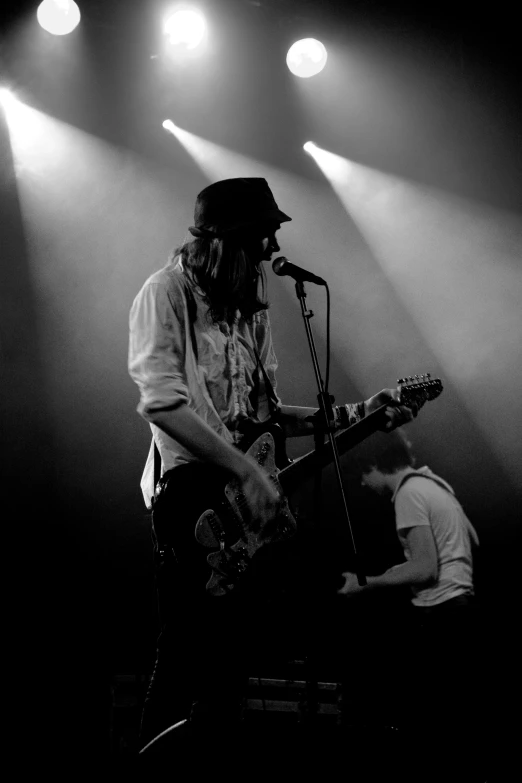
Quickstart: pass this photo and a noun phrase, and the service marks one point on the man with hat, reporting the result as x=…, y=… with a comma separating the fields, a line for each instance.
x=201, y=354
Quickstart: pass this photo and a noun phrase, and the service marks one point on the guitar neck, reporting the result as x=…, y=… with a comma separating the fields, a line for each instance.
x=292, y=476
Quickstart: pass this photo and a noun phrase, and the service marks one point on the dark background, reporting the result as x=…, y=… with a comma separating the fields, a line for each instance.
x=94, y=194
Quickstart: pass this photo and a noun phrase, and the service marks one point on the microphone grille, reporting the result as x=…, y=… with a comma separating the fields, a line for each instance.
x=278, y=265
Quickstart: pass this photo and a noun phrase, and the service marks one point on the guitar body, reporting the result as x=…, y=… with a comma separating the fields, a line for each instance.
x=228, y=530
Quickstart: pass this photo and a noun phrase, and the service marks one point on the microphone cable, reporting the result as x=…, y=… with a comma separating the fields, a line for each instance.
x=328, y=311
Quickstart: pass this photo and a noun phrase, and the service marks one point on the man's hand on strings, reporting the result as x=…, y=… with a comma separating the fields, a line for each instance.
x=396, y=414
x=261, y=496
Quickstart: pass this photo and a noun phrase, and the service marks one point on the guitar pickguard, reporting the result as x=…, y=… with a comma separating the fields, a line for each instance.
x=230, y=530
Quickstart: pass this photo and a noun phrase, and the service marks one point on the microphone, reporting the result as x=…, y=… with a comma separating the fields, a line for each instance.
x=282, y=266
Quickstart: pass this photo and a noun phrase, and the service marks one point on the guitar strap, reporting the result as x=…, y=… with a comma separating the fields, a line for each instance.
x=157, y=470
x=273, y=402
x=423, y=475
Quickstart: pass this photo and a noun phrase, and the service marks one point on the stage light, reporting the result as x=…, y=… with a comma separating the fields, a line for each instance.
x=7, y=99
x=336, y=169
x=58, y=17
x=306, y=58
x=186, y=27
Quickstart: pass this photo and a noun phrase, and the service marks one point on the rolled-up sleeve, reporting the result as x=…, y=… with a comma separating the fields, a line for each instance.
x=157, y=347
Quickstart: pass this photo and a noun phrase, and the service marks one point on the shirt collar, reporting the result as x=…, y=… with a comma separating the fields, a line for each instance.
x=424, y=469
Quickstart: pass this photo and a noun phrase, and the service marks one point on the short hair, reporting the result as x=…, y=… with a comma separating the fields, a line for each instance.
x=385, y=451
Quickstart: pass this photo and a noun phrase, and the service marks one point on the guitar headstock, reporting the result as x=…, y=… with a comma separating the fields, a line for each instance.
x=419, y=389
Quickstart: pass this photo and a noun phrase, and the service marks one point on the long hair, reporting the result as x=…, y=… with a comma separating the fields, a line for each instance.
x=223, y=269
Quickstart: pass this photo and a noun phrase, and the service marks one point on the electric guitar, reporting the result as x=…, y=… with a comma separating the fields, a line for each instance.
x=227, y=528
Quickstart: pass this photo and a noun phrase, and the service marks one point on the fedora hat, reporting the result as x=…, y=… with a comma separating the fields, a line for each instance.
x=233, y=205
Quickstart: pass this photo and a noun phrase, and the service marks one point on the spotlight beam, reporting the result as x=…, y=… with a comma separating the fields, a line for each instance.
x=7, y=99
x=460, y=284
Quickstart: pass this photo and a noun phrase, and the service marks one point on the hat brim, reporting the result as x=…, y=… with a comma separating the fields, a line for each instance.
x=282, y=217
x=273, y=216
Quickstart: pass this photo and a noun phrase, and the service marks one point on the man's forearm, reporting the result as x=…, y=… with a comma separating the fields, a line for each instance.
x=186, y=427
x=294, y=420
x=414, y=572
x=298, y=421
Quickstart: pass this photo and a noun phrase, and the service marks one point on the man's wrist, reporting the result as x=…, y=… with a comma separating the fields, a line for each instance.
x=344, y=418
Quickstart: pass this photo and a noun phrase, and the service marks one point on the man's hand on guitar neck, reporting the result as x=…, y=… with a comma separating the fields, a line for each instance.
x=396, y=414
x=298, y=421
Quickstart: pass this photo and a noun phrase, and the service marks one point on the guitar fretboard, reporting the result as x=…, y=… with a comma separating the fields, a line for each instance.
x=417, y=391
x=293, y=476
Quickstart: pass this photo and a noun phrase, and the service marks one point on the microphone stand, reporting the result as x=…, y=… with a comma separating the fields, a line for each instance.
x=324, y=422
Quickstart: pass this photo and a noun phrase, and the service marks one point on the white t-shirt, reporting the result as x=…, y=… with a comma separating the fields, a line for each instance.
x=422, y=501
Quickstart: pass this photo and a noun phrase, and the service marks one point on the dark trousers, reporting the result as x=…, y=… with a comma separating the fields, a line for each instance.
x=208, y=644
x=415, y=677
x=445, y=684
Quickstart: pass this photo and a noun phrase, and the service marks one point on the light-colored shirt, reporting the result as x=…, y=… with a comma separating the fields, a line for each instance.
x=423, y=502
x=177, y=355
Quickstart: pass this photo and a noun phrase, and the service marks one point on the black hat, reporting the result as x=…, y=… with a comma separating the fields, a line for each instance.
x=234, y=204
